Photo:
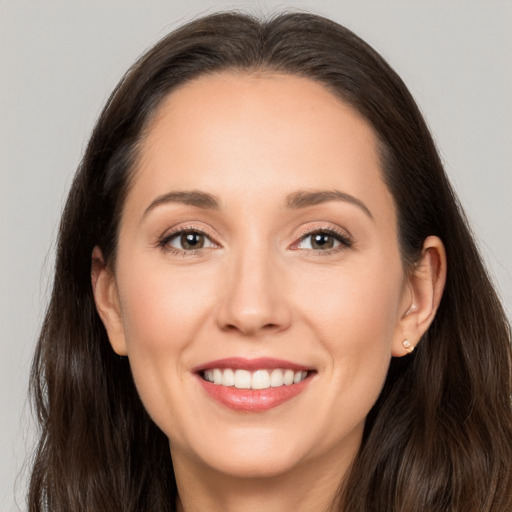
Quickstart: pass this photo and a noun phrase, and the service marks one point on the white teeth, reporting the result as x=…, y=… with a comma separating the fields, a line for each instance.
x=276, y=378
x=228, y=377
x=288, y=377
x=242, y=379
x=217, y=376
x=259, y=379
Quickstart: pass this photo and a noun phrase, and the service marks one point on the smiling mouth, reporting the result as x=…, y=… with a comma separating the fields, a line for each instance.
x=253, y=385
x=258, y=379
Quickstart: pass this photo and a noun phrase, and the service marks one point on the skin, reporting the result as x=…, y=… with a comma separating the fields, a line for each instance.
x=259, y=288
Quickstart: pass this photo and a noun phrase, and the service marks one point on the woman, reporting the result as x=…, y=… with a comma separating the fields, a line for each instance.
x=266, y=296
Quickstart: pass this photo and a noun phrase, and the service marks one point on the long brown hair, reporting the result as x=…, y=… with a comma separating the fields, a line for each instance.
x=439, y=437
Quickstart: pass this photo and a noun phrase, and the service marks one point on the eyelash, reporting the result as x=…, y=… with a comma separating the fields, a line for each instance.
x=345, y=242
x=165, y=240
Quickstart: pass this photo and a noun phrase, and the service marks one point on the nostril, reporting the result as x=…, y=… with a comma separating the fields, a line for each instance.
x=248, y=329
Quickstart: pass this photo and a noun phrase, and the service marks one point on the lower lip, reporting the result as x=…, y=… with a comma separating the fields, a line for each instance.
x=253, y=400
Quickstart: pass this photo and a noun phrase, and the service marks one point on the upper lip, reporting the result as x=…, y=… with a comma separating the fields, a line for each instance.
x=261, y=363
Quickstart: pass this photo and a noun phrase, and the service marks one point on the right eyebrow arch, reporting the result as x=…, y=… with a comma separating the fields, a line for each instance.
x=195, y=198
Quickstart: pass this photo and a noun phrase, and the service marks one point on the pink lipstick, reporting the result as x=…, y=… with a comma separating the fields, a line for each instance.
x=253, y=385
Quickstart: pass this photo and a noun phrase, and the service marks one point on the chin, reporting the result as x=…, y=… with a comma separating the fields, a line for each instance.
x=247, y=455
x=256, y=466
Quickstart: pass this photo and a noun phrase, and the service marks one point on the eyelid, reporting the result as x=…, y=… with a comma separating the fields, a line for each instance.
x=343, y=236
x=168, y=235
x=345, y=239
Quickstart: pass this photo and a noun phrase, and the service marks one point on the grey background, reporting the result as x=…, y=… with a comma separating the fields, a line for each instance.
x=60, y=59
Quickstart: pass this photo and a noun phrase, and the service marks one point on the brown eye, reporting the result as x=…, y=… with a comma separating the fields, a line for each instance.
x=323, y=241
x=188, y=241
x=192, y=241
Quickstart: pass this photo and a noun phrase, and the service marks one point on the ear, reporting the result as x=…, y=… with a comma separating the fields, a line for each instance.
x=421, y=298
x=107, y=301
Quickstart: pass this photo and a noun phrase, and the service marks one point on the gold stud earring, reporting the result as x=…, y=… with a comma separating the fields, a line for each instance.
x=409, y=347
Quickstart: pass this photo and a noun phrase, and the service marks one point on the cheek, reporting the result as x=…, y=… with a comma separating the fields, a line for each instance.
x=358, y=304
x=162, y=311
x=354, y=313
x=161, y=307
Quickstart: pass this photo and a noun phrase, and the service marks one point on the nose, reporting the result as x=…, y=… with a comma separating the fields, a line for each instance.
x=254, y=300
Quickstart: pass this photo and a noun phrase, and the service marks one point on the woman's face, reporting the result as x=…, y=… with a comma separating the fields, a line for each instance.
x=258, y=245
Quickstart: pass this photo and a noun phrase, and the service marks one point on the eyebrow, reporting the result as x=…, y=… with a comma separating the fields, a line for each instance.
x=192, y=198
x=305, y=198
x=295, y=200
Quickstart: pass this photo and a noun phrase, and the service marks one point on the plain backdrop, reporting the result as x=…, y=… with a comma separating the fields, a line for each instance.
x=59, y=60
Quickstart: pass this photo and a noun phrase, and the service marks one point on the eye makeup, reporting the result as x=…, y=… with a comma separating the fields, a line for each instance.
x=323, y=240
x=194, y=241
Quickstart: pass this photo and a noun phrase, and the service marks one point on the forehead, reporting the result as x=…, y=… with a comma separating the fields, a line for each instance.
x=251, y=134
